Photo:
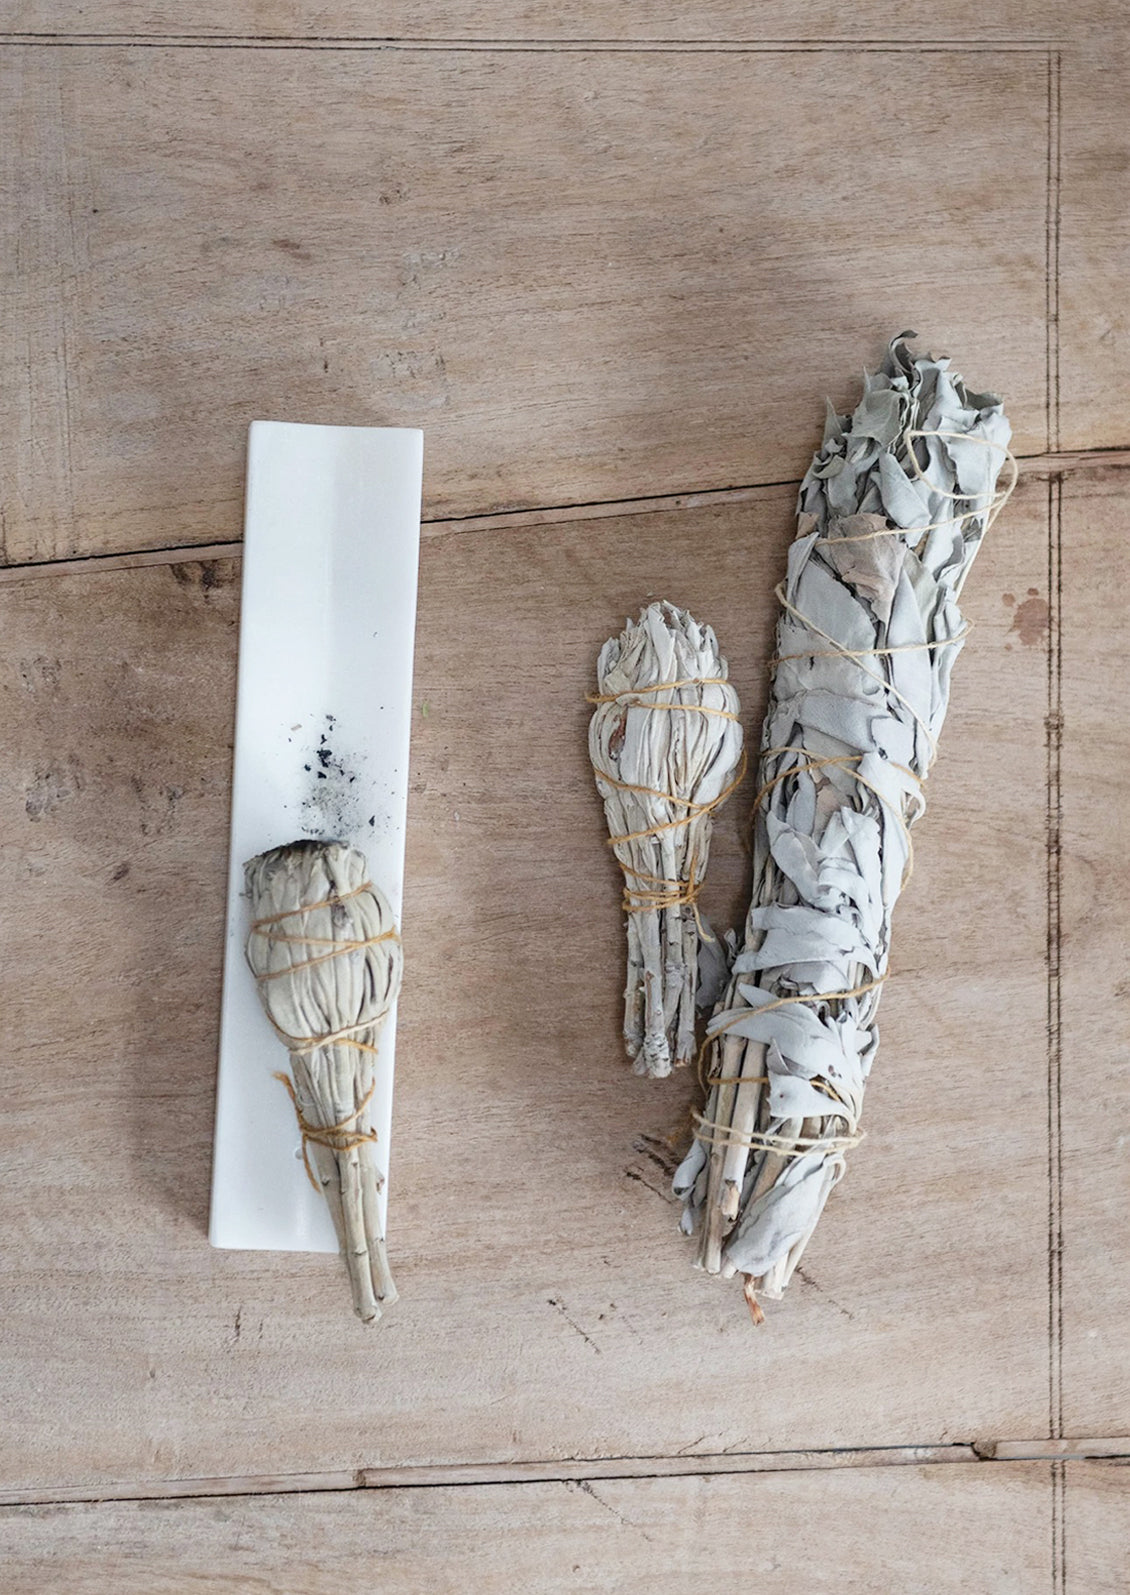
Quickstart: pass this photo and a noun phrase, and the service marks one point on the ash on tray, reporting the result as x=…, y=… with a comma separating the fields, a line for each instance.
x=336, y=802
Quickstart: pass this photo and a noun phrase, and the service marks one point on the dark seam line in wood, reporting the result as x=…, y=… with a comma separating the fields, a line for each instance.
x=1048, y=168
x=1053, y=215
x=1055, y=641
x=1054, y=818
x=595, y=1469
x=1049, y=953
x=532, y=515
x=1057, y=231
x=1051, y=460
x=1054, y=747
x=1059, y=1525
x=609, y=503
x=660, y=500
x=1056, y=633
x=220, y=41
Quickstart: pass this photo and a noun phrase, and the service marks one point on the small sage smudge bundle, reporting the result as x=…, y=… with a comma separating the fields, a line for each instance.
x=666, y=749
x=891, y=513
x=326, y=956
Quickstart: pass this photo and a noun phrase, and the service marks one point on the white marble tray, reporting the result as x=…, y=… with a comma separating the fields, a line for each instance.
x=323, y=716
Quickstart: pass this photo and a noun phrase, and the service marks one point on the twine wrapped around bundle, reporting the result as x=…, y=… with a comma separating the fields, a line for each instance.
x=891, y=513
x=326, y=956
x=666, y=749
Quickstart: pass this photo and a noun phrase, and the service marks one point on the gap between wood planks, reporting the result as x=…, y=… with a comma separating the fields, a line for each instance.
x=1114, y=1450
x=235, y=41
x=1031, y=465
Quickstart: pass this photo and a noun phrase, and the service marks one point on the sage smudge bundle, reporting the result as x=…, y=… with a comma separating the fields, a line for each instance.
x=666, y=749
x=326, y=956
x=890, y=516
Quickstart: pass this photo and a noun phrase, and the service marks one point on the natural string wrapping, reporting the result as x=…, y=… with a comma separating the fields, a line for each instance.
x=326, y=957
x=666, y=749
x=890, y=516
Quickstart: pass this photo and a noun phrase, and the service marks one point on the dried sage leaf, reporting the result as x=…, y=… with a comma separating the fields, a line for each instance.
x=890, y=516
x=325, y=953
x=666, y=748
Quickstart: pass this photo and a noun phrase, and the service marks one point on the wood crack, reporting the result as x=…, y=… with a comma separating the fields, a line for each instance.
x=1031, y=465
x=1036, y=1452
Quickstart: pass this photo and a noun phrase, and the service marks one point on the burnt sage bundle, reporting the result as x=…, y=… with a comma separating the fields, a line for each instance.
x=890, y=516
x=326, y=957
x=666, y=748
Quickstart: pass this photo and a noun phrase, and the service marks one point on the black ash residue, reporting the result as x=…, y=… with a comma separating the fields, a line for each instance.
x=335, y=804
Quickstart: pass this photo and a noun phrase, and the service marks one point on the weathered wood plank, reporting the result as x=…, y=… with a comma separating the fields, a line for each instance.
x=1094, y=248
x=936, y=1531
x=1097, y=1525
x=1095, y=1016
x=455, y=1475
x=900, y=21
x=588, y=276
x=548, y=1308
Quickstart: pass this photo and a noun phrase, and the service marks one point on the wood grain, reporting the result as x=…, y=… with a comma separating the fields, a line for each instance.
x=933, y=1531
x=548, y=1308
x=591, y=275
x=899, y=21
x=1098, y=1528
x=588, y=276
x=1095, y=1020
x=1094, y=248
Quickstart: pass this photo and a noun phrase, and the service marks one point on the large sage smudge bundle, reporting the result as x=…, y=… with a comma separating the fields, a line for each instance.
x=891, y=513
x=326, y=957
x=666, y=749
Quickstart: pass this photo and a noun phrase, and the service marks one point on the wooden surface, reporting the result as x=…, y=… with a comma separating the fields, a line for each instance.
x=1093, y=985
x=588, y=277
x=613, y=287
x=1091, y=188
x=551, y=1235
x=898, y=22
x=1099, y=1495
x=920, y=1529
